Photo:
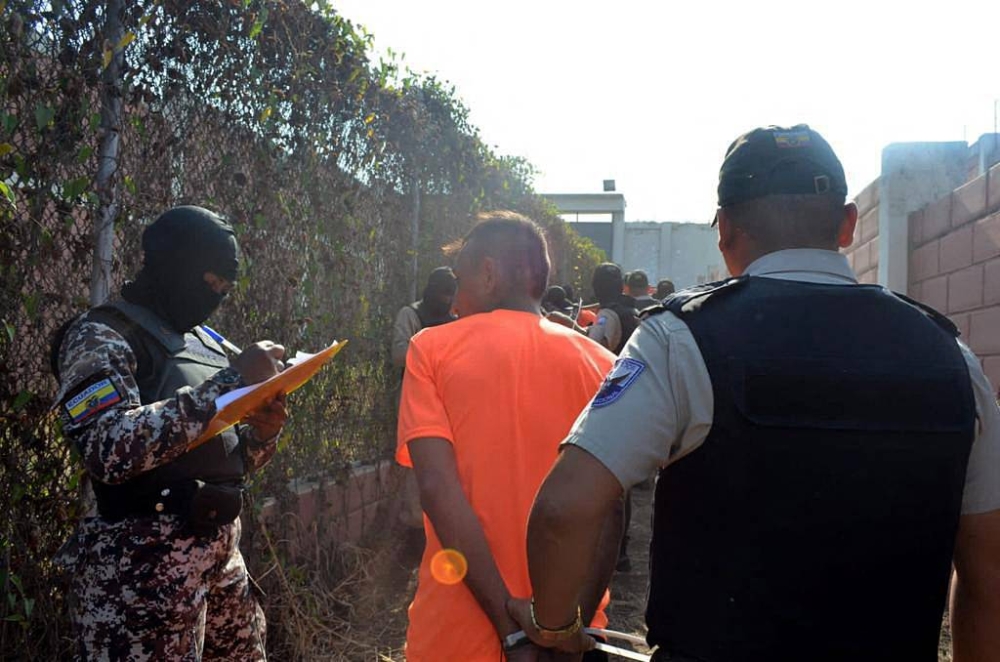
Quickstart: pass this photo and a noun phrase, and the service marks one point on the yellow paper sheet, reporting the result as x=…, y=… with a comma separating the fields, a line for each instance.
x=235, y=406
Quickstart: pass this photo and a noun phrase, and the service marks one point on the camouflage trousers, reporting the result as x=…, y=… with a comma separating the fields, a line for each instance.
x=147, y=589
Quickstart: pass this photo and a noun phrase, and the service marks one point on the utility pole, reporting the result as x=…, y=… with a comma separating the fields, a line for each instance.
x=415, y=246
x=107, y=169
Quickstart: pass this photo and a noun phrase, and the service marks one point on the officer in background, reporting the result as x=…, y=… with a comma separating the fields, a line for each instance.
x=637, y=287
x=827, y=450
x=156, y=568
x=433, y=309
x=617, y=316
x=664, y=288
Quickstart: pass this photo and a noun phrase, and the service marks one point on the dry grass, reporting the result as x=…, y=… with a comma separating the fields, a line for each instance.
x=342, y=605
x=349, y=605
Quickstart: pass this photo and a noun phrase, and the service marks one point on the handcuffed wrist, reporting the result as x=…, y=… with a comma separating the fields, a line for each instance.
x=556, y=634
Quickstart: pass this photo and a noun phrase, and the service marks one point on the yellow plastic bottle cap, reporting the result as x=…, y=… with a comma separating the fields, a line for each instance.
x=449, y=566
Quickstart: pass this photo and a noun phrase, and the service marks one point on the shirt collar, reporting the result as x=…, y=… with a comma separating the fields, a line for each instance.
x=808, y=265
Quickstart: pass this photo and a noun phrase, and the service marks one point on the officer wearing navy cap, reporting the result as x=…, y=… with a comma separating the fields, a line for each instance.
x=826, y=450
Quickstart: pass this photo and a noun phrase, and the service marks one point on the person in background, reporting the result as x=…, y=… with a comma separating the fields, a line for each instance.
x=827, y=451
x=156, y=569
x=664, y=288
x=637, y=287
x=555, y=300
x=617, y=316
x=433, y=309
x=486, y=401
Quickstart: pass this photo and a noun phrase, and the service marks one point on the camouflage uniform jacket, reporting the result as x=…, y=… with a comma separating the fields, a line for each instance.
x=118, y=437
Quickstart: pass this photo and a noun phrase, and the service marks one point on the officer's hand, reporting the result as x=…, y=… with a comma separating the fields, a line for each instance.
x=259, y=361
x=268, y=420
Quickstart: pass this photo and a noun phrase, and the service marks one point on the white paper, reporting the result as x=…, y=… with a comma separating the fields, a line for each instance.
x=226, y=399
x=298, y=358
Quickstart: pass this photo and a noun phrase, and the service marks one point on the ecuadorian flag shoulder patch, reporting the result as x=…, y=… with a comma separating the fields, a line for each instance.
x=93, y=396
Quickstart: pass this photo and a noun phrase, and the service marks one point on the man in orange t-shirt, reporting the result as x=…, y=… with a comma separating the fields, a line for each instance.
x=486, y=402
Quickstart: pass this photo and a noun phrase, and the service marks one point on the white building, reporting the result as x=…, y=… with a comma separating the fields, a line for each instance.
x=686, y=253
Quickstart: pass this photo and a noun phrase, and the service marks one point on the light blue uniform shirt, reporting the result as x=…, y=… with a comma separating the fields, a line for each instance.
x=665, y=406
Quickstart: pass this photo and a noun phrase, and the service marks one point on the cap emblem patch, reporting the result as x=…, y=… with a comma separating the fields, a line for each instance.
x=787, y=139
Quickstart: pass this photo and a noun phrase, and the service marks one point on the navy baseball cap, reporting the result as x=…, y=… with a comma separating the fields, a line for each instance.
x=776, y=160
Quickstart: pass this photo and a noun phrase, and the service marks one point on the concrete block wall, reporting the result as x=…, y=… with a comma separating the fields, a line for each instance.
x=325, y=513
x=863, y=254
x=955, y=263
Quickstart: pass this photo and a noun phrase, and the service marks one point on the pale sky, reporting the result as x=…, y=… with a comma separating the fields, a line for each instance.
x=651, y=93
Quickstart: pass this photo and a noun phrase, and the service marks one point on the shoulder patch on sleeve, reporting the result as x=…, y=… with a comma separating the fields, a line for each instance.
x=622, y=375
x=91, y=396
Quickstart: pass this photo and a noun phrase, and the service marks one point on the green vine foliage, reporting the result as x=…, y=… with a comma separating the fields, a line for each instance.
x=274, y=114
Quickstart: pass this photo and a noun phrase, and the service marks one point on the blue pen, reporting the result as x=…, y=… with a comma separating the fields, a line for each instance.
x=217, y=337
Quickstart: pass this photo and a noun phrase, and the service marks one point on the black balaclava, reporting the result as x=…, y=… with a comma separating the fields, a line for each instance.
x=440, y=290
x=178, y=248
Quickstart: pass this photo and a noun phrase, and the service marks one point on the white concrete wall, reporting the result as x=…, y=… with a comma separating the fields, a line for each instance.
x=686, y=253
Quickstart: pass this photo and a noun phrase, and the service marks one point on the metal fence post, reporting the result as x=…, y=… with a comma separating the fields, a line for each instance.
x=107, y=169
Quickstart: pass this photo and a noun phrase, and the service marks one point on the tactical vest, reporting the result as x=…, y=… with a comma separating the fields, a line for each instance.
x=427, y=319
x=817, y=521
x=167, y=361
x=625, y=308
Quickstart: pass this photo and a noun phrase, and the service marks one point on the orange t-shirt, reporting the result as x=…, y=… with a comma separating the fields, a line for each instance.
x=504, y=388
x=586, y=317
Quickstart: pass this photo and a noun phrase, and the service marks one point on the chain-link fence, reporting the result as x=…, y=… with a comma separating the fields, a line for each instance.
x=272, y=114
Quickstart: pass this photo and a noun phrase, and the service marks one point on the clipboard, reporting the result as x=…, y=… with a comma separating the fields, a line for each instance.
x=232, y=407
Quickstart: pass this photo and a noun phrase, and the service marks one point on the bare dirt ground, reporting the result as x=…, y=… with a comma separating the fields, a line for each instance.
x=394, y=583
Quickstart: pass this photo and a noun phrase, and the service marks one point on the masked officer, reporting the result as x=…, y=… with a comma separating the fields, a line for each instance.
x=827, y=450
x=156, y=568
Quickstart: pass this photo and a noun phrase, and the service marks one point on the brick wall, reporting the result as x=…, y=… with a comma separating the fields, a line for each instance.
x=955, y=263
x=863, y=253
x=327, y=512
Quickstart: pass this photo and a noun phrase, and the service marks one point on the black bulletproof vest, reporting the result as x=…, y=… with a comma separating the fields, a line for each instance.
x=817, y=521
x=167, y=361
x=628, y=315
x=428, y=319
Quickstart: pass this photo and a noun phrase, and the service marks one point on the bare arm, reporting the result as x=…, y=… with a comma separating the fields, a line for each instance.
x=572, y=541
x=975, y=589
x=457, y=527
x=565, y=320
x=603, y=567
